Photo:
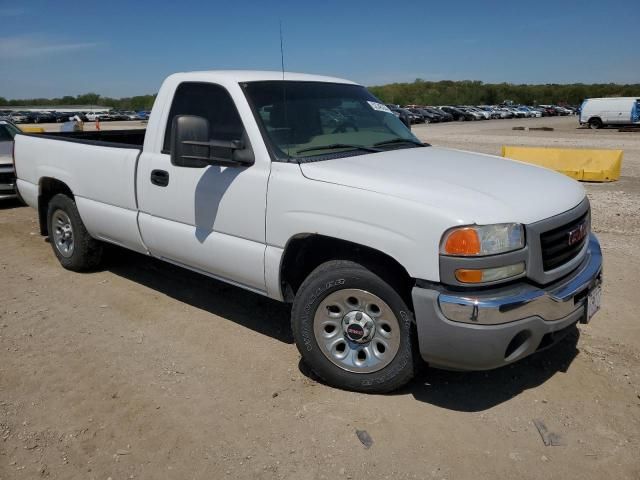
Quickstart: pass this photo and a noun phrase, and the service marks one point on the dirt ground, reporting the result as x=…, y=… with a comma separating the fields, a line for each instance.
x=143, y=370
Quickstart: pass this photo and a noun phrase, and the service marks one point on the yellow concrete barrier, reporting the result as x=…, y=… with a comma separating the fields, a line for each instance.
x=32, y=129
x=589, y=165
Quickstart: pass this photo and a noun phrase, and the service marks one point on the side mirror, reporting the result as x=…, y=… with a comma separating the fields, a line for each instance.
x=191, y=146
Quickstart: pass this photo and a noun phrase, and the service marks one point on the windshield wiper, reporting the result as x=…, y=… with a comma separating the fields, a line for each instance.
x=399, y=140
x=340, y=145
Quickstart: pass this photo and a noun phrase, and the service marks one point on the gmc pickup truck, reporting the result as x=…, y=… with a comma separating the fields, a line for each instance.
x=309, y=190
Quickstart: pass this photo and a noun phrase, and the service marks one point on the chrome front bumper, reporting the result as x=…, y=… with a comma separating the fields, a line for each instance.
x=524, y=300
x=490, y=328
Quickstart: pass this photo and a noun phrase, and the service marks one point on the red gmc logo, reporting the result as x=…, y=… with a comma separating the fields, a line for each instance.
x=577, y=234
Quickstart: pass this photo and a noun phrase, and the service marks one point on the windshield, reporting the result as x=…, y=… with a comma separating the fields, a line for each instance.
x=321, y=118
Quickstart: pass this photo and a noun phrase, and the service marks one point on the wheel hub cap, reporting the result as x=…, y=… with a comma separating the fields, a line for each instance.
x=356, y=330
x=62, y=233
x=358, y=327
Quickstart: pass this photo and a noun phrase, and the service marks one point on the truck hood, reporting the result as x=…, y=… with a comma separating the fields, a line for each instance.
x=468, y=187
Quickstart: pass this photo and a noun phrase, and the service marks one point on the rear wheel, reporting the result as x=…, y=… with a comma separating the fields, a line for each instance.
x=353, y=329
x=73, y=246
x=595, y=123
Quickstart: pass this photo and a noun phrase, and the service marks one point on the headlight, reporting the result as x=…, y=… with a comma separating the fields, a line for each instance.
x=478, y=240
x=486, y=275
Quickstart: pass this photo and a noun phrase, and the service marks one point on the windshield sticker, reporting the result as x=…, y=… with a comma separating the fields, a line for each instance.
x=379, y=107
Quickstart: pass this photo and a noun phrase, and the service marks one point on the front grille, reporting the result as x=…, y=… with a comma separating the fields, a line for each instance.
x=560, y=245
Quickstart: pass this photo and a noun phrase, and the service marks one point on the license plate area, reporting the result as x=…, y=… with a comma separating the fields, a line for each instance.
x=592, y=302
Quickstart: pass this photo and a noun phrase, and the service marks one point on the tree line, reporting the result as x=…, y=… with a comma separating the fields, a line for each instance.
x=137, y=103
x=471, y=92
x=419, y=92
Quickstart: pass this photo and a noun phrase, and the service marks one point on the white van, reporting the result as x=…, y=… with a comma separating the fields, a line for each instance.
x=599, y=112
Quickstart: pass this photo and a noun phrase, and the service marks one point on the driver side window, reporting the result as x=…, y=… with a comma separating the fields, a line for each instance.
x=210, y=101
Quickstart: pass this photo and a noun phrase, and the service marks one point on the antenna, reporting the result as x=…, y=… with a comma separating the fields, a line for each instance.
x=281, y=51
x=284, y=91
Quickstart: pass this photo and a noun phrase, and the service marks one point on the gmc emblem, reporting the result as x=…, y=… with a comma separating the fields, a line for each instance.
x=577, y=234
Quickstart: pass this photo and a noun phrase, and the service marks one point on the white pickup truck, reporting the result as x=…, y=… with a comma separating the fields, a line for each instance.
x=308, y=190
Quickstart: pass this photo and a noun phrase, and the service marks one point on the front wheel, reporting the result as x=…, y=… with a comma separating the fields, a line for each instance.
x=353, y=329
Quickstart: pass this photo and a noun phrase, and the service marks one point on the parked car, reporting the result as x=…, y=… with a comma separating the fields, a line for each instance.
x=426, y=116
x=565, y=110
x=414, y=117
x=505, y=112
x=531, y=113
x=482, y=114
x=117, y=116
x=542, y=111
x=457, y=113
x=388, y=249
x=62, y=117
x=493, y=113
x=549, y=110
x=101, y=116
x=400, y=113
x=7, y=172
x=445, y=117
x=19, y=117
x=601, y=112
x=517, y=113
x=131, y=115
x=41, y=117
x=474, y=114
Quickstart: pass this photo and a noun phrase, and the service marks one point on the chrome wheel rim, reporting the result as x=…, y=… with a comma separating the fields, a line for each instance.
x=357, y=331
x=62, y=233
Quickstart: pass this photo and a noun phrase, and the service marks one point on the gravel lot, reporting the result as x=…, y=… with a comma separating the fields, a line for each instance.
x=143, y=370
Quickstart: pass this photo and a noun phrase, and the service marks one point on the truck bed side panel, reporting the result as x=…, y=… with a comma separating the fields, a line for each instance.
x=101, y=178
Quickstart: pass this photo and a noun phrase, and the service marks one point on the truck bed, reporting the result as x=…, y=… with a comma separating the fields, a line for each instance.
x=98, y=167
x=133, y=138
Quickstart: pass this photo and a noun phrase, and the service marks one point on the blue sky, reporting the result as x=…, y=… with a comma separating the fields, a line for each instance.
x=119, y=48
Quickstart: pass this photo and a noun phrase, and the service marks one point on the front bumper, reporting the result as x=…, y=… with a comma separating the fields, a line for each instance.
x=491, y=328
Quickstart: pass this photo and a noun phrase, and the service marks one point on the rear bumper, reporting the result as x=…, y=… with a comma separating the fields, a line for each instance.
x=491, y=328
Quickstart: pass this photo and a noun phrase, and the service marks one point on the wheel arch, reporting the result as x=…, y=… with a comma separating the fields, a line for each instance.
x=595, y=119
x=306, y=251
x=48, y=187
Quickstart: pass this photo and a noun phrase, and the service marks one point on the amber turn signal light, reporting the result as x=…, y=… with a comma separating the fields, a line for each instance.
x=464, y=241
x=464, y=275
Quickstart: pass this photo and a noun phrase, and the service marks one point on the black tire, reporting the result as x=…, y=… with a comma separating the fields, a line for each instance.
x=595, y=123
x=87, y=252
x=339, y=275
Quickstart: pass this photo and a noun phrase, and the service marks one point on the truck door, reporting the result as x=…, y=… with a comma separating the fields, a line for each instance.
x=210, y=219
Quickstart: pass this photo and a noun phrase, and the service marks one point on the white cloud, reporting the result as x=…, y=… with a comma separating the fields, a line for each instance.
x=27, y=46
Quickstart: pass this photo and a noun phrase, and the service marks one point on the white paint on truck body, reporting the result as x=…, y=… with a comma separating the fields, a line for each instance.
x=234, y=223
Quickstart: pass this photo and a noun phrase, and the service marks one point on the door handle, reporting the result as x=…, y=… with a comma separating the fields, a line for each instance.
x=160, y=178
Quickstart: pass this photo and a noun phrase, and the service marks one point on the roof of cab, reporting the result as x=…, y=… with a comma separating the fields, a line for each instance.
x=255, y=76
